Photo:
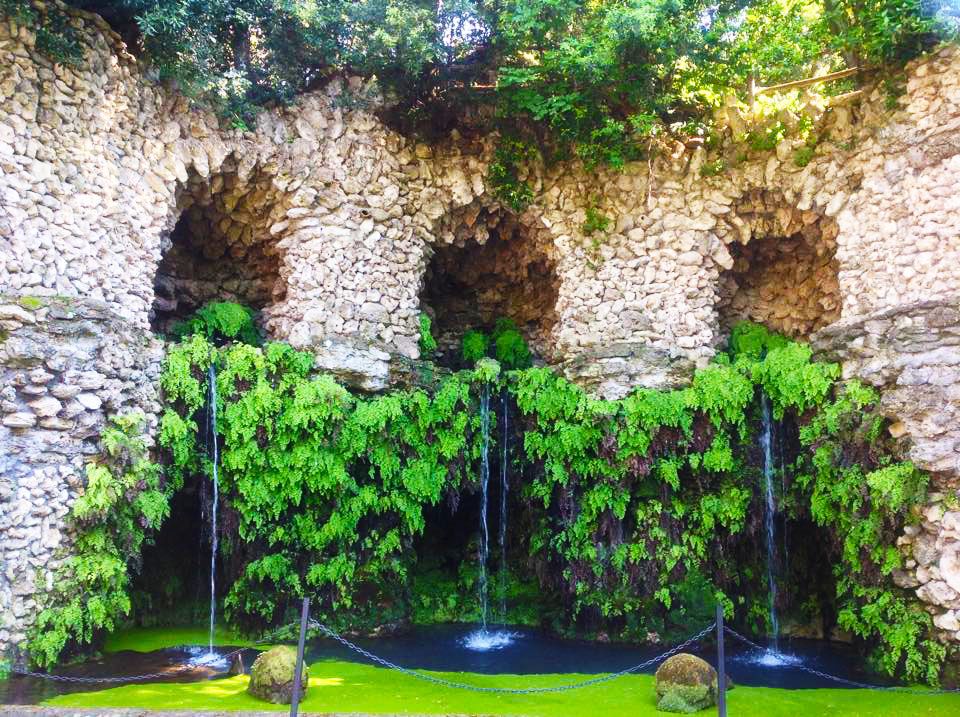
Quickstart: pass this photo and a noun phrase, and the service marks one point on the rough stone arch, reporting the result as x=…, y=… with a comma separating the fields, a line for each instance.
x=220, y=242
x=485, y=262
x=783, y=270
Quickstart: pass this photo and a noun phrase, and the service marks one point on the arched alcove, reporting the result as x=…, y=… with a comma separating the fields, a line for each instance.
x=488, y=263
x=785, y=275
x=220, y=247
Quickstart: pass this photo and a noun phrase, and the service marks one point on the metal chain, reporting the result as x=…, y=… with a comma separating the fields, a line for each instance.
x=508, y=690
x=843, y=680
x=132, y=678
x=136, y=678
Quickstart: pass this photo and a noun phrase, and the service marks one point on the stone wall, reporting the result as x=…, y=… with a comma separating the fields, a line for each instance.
x=911, y=352
x=65, y=364
x=337, y=228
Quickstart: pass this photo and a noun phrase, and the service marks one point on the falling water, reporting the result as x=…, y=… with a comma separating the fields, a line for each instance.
x=482, y=640
x=216, y=500
x=484, y=490
x=504, y=488
x=211, y=658
x=771, y=657
x=770, y=509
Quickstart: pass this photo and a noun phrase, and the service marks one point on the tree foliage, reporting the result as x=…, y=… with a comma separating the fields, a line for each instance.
x=589, y=79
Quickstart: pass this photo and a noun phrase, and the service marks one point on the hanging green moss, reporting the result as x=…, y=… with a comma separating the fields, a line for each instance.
x=856, y=490
x=428, y=344
x=509, y=346
x=332, y=487
x=474, y=345
x=635, y=512
x=634, y=505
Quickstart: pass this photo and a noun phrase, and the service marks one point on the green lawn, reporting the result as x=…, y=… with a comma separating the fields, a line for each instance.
x=148, y=639
x=337, y=686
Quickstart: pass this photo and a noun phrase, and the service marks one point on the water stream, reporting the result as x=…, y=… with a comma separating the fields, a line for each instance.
x=211, y=658
x=484, y=500
x=772, y=656
x=483, y=639
x=504, y=489
x=769, y=514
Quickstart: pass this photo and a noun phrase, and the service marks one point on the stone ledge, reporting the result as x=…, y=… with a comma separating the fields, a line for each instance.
x=925, y=327
x=368, y=365
x=613, y=371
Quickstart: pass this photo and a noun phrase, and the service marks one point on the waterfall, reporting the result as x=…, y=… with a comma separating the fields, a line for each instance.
x=771, y=657
x=215, y=456
x=484, y=491
x=482, y=640
x=504, y=489
x=769, y=512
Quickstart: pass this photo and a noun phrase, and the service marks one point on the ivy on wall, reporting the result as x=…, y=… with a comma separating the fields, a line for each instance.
x=124, y=501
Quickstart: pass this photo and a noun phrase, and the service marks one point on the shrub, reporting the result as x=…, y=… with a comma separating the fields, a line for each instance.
x=221, y=320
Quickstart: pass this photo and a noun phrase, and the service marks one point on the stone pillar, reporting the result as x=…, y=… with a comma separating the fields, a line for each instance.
x=911, y=353
x=66, y=365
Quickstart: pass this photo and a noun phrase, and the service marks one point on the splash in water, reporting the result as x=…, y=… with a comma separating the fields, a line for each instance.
x=485, y=640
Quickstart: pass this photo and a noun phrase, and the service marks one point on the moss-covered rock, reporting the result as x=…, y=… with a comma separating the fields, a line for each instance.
x=685, y=684
x=271, y=677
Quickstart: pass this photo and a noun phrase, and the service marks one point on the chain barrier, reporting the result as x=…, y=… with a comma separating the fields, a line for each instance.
x=176, y=670
x=508, y=690
x=843, y=680
x=186, y=667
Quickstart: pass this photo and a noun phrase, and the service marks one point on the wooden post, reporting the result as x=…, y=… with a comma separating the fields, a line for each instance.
x=721, y=668
x=304, y=616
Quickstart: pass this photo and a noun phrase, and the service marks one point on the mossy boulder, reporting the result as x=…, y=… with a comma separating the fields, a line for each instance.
x=685, y=684
x=271, y=677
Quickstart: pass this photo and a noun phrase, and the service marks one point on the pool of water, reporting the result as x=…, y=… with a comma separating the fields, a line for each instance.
x=168, y=664
x=446, y=648
x=453, y=648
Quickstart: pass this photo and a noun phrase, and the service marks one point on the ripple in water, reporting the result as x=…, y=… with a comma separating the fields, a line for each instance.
x=485, y=640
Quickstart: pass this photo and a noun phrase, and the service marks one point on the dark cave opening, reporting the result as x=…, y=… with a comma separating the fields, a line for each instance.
x=785, y=277
x=495, y=267
x=220, y=249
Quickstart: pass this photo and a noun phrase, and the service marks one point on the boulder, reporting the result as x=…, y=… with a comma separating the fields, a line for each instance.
x=685, y=684
x=271, y=677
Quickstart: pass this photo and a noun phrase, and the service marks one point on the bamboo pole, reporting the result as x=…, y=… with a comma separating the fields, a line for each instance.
x=839, y=75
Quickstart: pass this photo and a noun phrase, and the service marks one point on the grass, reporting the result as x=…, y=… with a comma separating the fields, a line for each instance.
x=148, y=639
x=337, y=686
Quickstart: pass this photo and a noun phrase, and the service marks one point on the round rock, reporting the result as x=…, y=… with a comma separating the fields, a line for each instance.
x=271, y=677
x=685, y=684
